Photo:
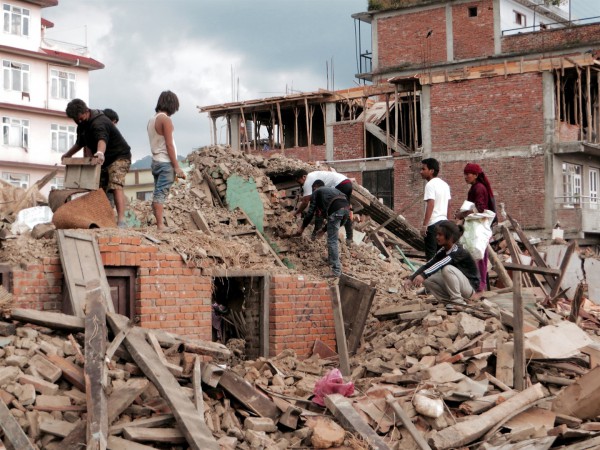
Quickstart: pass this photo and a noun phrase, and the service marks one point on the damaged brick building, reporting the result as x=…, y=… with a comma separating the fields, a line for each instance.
x=511, y=85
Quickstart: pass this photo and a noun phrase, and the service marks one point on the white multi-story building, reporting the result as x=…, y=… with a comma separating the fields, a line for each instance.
x=39, y=78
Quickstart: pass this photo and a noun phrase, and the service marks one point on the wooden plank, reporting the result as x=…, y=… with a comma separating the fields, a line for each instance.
x=189, y=345
x=82, y=264
x=60, y=428
x=124, y=395
x=340, y=333
x=563, y=267
x=173, y=368
x=262, y=238
x=531, y=269
x=197, y=434
x=201, y=222
x=150, y=422
x=95, y=370
x=213, y=189
x=356, y=298
x=117, y=443
x=12, y=430
x=76, y=438
x=248, y=395
x=56, y=321
x=116, y=342
x=70, y=372
x=170, y=435
x=197, y=386
x=350, y=420
x=391, y=312
x=537, y=258
x=403, y=416
x=520, y=372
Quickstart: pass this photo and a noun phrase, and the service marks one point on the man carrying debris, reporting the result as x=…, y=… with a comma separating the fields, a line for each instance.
x=451, y=275
x=437, y=199
x=331, y=180
x=98, y=133
x=336, y=207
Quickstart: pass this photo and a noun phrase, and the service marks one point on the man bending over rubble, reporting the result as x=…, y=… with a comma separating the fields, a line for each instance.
x=451, y=275
x=336, y=208
x=98, y=133
x=331, y=180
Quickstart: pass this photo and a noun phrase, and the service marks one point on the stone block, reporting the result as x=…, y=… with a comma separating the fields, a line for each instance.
x=45, y=368
x=52, y=401
x=260, y=424
x=8, y=374
x=40, y=385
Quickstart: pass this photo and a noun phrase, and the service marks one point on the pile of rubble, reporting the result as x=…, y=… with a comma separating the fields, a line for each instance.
x=426, y=375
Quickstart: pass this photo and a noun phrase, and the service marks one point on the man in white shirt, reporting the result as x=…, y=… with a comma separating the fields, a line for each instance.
x=437, y=202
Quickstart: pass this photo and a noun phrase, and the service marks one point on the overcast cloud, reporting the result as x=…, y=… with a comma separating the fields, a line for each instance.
x=191, y=47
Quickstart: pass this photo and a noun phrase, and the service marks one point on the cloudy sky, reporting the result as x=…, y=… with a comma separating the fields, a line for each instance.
x=192, y=47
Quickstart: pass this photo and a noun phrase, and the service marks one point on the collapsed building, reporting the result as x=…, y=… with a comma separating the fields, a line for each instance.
x=230, y=273
x=511, y=85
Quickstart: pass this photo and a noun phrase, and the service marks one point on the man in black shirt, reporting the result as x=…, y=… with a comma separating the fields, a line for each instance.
x=98, y=133
x=336, y=208
x=452, y=273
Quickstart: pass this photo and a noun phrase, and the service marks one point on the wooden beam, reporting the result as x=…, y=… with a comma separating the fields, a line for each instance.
x=56, y=321
x=13, y=432
x=197, y=434
x=197, y=386
x=247, y=394
x=563, y=267
x=340, y=332
x=70, y=372
x=95, y=370
x=403, y=416
x=519, y=371
x=123, y=396
x=532, y=269
x=350, y=420
x=173, y=368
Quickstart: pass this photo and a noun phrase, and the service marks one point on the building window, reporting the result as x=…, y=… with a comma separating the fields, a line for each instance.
x=143, y=196
x=593, y=188
x=57, y=183
x=16, y=20
x=15, y=132
x=16, y=179
x=16, y=76
x=63, y=137
x=520, y=19
x=472, y=11
x=380, y=183
x=62, y=84
x=571, y=174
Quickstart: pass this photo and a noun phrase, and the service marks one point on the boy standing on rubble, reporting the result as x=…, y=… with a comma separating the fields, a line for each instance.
x=165, y=166
x=437, y=198
x=451, y=275
x=98, y=133
x=336, y=208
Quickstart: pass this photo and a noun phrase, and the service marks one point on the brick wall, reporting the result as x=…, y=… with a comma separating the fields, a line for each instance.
x=473, y=36
x=300, y=312
x=403, y=39
x=516, y=181
x=176, y=298
x=544, y=40
x=348, y=140
x=169, y=295
x=487, y=113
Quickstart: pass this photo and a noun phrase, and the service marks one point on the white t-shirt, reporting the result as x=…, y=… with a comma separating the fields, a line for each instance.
x=438, y=190
x=331, y=179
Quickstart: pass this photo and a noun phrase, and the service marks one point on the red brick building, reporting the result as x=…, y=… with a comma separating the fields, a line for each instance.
x=509, y=84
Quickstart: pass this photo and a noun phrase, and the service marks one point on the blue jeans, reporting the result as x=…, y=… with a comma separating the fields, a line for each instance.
x=164, y=177
x=334, y=222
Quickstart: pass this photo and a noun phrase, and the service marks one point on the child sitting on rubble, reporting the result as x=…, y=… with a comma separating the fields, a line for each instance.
x=451, y=275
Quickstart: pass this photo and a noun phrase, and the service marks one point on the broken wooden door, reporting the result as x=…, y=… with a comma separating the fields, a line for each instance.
x=82, y=264
x=356, y=298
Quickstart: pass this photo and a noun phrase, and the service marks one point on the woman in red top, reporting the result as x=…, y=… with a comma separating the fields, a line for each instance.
x=482, y=196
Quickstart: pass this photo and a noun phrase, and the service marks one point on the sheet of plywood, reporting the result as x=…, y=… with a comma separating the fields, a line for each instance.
x=82, y=265
x=356, y=298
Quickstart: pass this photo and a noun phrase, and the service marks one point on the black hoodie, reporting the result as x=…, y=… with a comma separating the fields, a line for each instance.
x=100, y=128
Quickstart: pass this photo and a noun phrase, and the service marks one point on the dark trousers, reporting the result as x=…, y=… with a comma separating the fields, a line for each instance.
x=431, y=246
x=346, y=189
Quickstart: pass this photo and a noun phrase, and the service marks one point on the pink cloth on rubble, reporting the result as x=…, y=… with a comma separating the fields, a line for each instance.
x=332, y=383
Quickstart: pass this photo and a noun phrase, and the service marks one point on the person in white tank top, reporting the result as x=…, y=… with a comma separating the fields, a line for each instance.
x=165, y=166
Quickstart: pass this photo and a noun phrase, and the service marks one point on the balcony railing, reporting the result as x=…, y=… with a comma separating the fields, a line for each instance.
x=578, y=213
